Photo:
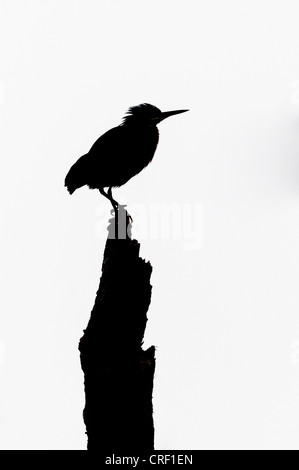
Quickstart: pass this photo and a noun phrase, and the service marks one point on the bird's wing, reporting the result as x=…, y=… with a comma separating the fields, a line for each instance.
x=109, y=151
x=109, y=142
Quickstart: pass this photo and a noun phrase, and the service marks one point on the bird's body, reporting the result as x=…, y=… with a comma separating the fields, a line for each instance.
x=114, y=158
x=120, y=153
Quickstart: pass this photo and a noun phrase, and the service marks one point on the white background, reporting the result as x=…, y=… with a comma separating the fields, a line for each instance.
x=224, y=317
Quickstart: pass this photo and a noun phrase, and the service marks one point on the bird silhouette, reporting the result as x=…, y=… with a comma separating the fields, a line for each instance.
x=120, y=153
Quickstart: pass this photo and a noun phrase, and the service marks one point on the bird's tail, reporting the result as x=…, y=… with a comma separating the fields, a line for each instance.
x=71, y=187
x=75, y=177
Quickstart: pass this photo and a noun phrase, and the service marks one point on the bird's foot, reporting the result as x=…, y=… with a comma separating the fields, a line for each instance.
x=118, y=208
x=115, y=209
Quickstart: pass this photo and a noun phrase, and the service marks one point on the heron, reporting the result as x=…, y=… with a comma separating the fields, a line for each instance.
x=120, y=153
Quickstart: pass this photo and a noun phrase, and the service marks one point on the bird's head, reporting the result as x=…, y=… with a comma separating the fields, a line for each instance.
x=148, y=114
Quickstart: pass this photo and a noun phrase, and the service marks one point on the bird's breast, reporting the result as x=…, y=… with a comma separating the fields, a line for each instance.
x=143, y=145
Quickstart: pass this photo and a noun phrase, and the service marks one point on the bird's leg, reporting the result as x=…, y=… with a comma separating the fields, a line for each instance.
x=115, y=207
x=108, y=195
x=113, y=202
x=103, y=193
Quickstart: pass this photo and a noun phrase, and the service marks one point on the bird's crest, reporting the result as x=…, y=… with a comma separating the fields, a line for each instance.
x=142, y=110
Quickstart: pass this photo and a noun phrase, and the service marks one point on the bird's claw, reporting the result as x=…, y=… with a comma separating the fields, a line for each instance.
x=119, y=207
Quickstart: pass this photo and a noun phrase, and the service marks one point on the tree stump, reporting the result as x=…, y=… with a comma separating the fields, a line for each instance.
x=118, y=373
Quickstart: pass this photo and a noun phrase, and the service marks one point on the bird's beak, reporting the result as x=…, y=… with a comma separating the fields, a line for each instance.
x=166, y=114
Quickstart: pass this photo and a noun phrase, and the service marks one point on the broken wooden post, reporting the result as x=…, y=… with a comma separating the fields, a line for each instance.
x=118, y=373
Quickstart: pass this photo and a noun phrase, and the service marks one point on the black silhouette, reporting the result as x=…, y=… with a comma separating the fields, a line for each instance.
x=118, y=373
x=120, y=153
